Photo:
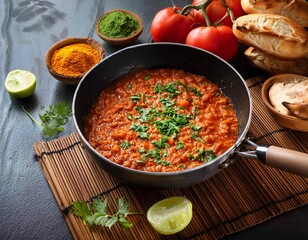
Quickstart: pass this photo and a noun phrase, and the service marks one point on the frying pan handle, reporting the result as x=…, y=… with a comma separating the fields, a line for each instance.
x=284, y=159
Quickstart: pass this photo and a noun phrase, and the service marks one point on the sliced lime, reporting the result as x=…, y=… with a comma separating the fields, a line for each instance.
x=20, y=83
x=170, y=215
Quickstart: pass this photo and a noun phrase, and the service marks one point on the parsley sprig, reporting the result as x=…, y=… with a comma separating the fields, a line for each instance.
x=98, y=214
x=53, y=119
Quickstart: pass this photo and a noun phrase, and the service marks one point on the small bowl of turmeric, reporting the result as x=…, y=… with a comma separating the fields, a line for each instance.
x=119, y=27
x=70, y=59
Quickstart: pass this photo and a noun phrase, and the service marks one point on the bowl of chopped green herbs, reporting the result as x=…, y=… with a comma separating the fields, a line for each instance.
x=119, y=27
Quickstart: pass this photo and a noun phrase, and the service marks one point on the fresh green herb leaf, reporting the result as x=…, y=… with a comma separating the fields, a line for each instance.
x=53, y=119
x=190, y=156
x=179, y=145
x=129, y=117
x=153, y=153
x=111, y=221
x=136, y=97
x=147, y=77
x=162, y=162
x=195, y=91
x=167, y=127
x=98, y=213
x=125, y=145
x=167, y=102
x=196, y=137
x=195, y=128
x=182, y=84
x=124, y=223
x=144, y=135
x=82, y=210
x=142, y=150
x=206, y=155
x=181, y=166
x=138, y=128
x=146, y=114
x=170, y=88
x=195, y=109
x=161, y=143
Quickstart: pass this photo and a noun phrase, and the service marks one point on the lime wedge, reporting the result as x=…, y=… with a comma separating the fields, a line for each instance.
x=20, y=83
x=170, y=215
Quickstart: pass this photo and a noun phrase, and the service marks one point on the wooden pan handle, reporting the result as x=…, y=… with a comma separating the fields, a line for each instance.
x=287, y=160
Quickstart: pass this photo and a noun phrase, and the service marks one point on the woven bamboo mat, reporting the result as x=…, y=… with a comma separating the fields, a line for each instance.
x=243, y=195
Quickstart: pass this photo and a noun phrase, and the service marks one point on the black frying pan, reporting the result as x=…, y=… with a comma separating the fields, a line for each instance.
x=179, y=56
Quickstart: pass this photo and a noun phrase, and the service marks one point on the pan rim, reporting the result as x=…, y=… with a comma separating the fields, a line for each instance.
x=223, y=157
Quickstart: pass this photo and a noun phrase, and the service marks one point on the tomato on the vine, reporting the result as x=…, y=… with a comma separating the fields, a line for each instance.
x=215, y=11
x=169, y=25
x=219, y=40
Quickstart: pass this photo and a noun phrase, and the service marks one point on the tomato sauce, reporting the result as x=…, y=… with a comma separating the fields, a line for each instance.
x=161, y=120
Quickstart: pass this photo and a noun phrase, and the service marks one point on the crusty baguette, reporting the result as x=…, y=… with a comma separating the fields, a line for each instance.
x=296, y=10
x=274, y=65
x=274, y=34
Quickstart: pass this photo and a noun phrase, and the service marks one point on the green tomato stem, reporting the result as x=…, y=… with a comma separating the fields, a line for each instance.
x=229, y=11
x=202, y=6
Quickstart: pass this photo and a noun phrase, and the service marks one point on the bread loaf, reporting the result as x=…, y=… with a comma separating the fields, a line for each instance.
x=274, y=65
x=296, y=10
x=294, y=92
x=274, y=34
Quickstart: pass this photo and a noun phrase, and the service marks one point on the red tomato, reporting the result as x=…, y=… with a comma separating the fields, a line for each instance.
x=170, y=26
x=219, y=40
x=216, y=11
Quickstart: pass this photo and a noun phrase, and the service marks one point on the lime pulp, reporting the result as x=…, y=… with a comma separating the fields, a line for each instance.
x=20, y=83
x=170, y=215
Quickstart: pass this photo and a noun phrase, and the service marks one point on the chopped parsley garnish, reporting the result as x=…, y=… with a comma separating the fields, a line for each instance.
x=192, y=89
x=125, y=145
x=195, y=128
x=167, y=102
x=144, y=135
x=129, y=117
x=168, y=120
x=167, y=127
x=179, y=145
x=146, y=114
x=147, y=77
x=206, y=155
x=196, y=137
x=135, y=97
x=138, y=128
x=195, y=91
x=162, y=162
x=170, y=88
x=195, y=109
x=161, y=143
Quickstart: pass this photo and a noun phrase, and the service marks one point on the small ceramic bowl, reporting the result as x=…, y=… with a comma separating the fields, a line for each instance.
x=72, y=80
x=287, y=121
x=120, y=41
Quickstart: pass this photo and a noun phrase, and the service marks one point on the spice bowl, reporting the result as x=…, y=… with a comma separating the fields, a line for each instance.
x=119, y=27
x=78, y=56
x=287, y=121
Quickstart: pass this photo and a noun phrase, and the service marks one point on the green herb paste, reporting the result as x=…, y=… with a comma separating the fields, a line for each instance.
x=118, y=25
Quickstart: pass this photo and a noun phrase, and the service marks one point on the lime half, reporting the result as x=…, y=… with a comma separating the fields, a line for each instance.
x=20, y=83
x=170, y=215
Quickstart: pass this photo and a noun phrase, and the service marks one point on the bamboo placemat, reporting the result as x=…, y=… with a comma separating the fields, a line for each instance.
x=243, y=195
